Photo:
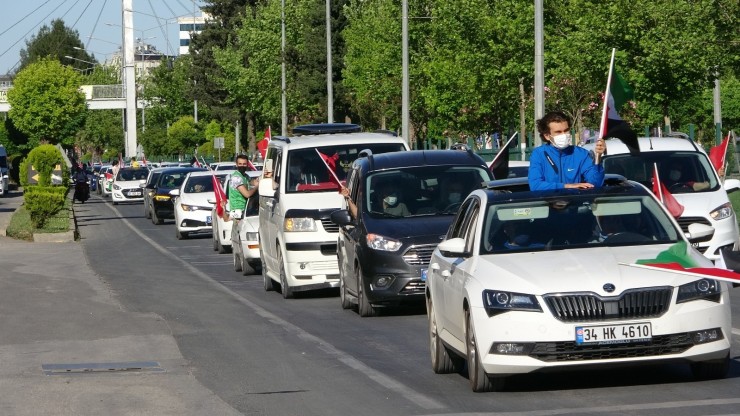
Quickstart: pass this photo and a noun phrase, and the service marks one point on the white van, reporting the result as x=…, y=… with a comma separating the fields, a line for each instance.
x=298, y=240
x=689, y=176
x=3, y=171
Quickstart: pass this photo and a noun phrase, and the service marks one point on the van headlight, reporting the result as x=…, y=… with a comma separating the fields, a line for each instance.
x=496, y=302
x=707, y=289
x=378, y=242
x=299, y=224
x=721, y=212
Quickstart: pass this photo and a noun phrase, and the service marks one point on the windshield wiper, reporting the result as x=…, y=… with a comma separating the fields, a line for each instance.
x=386, y=214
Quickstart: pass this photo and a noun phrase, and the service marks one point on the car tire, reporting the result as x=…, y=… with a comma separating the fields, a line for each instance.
x=155, y=218
x=444, y=361
x=268, y=282
x=711, y=370
x=147, y=212
x=364, y=308
x=247, y=269
x=480, y=381
x=343, y=297
x=115, y=203
x=220, y=247
x=285, y=289
x=180, y=235
x=237, y=262
x=215, y=239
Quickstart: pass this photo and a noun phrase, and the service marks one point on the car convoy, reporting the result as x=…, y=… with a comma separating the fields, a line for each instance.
x=514, y=281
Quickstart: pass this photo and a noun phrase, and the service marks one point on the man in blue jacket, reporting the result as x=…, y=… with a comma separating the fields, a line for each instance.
x=557, y=163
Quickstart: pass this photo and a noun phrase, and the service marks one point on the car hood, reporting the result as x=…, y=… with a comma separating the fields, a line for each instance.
x=578, y=270
x=700, y=204
x=128, y=184
x=198, y=199
x=412, y=230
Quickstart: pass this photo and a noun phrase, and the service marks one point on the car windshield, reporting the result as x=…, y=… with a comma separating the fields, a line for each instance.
x=421, y=191
x=198, y=184
x=132, y=174
x=575, y=222
x=172, y=180
x=308, y=173
x=680, y=172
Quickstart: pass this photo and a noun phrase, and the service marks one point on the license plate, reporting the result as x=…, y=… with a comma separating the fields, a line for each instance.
x=423, y=275
x=135, y=193
x=613, y=334
x=208, y=220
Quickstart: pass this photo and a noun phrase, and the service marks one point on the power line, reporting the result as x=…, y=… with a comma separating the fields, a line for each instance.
x=23, y=18
x=95, y=26
x=29, y=31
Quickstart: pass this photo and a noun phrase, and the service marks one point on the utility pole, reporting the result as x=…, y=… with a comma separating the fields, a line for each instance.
x=283, y=99
x=405, y=70
x=329, y=86
x=129, y=75
x=539, y=68
x=717, y=112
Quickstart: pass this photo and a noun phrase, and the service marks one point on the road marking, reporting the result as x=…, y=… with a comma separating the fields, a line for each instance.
x=380, y=378
x=607, y=409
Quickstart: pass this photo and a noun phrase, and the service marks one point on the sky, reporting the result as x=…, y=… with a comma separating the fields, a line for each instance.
x=98, y=23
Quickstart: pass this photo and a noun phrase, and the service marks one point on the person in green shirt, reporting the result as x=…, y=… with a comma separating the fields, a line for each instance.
x=240, y=188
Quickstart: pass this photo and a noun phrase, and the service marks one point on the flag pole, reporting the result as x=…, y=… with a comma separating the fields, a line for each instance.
x=607, y=92
x=657, y=180
x=334, y=175
x=504, y=148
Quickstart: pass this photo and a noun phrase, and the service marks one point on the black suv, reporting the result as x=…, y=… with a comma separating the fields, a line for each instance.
x=161, y=201
x=399, y=208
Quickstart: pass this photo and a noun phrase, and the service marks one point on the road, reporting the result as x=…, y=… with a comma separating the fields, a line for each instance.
x=265, y=355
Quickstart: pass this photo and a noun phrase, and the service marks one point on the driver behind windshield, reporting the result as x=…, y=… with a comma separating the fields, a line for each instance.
x=389, y=197
x=678, y=179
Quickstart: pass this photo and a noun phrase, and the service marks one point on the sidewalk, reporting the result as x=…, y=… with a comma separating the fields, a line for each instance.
x=57, y=315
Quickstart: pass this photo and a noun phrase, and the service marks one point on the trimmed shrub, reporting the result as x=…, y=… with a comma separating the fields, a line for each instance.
x=44, y=159
x=43, y=201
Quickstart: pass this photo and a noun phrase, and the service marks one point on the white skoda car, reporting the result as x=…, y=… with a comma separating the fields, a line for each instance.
x=534, y=281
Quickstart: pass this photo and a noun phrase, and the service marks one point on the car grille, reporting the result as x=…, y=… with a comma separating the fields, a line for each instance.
x=638, y=303
x=329, y=226
x=413, y=287
x=685, y=221
x=569, y=351
x=419, y=255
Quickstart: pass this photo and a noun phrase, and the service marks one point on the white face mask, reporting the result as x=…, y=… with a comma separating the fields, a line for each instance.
x=561, y=141
x=390, y=200
x=674, y=175
x=454, y=197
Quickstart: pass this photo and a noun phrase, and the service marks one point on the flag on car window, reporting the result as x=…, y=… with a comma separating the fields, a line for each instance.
x=219, y=194
x=676, y=259
x=330, y=162
x=616, y=95
x=500, y=164
x=262, y=144
x=665, y=197
x=718, y=154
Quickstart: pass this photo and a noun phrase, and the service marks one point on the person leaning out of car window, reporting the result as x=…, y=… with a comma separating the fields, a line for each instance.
x=557, y=164
x=240, y=188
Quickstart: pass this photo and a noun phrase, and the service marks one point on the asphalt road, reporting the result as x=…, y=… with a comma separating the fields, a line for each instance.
x=265, y=355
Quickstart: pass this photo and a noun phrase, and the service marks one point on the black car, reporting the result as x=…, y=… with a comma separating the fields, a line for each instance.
x=161, y=201
x=399, y=208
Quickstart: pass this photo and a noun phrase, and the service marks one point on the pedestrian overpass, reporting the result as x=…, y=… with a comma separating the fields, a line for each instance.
x=99, y=97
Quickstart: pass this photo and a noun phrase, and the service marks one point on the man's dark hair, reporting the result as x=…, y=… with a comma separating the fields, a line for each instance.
x=241, y=156
x=543, y=124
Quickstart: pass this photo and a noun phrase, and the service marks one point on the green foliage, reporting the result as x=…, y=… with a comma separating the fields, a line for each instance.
x=102, y=131
x=56, y=42
x=44, y=159
x=167, y=91
x=46, y=103
x=216, y=129
x=43, y=202
x=184, y=135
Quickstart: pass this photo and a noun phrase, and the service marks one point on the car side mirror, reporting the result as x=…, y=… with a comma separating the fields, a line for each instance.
x=454, y=247
x=341, y=217
x=698, y=232
x=175, y=192
x=266, y=187
x=731, y=185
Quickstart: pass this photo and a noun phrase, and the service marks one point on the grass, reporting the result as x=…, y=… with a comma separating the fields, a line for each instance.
x=21, y=228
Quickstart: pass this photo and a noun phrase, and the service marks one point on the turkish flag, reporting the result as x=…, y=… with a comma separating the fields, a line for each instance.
x=330, y=162
x=262, y=144
x=718, y=154
x=219, y=194
x=664, y=196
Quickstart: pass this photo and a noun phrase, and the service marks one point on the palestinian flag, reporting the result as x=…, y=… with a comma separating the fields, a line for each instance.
x=677, y=260
x=617, y=93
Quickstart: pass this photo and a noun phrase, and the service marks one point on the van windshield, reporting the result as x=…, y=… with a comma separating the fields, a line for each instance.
x=307, y=172
x=680, y=172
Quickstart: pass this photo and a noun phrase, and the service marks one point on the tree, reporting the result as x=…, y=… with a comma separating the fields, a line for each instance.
x=184, y=136
x=57, y=42
x=167, y=92
x=46, y=103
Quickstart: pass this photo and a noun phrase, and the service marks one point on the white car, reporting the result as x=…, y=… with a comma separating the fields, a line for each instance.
x=245, y=244
x=221, y=234
x=125, y=187
x=225, y=166
x=697, y=188
x=192, y=206
x=540, y=281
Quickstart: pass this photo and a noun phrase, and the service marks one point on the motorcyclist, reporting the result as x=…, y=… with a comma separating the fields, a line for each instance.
x=82, y=188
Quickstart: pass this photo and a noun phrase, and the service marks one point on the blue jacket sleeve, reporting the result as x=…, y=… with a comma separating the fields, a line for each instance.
x=538, y=180
x=593, y=174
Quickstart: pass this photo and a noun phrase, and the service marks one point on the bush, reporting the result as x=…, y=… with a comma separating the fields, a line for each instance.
x=44, y=159
x=43, y=201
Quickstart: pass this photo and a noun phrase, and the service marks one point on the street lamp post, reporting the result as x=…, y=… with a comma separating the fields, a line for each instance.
x=129, y=74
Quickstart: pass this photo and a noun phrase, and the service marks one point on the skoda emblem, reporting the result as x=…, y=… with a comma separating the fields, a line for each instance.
x=609, y=287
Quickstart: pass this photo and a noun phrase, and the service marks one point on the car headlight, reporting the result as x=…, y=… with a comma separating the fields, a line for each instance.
x=721, y=212
x=706, y=289
x=116, y=187
x=186, y=207
x=253, y=236
x=496, y=302
x=299, y=224
x=378, y=242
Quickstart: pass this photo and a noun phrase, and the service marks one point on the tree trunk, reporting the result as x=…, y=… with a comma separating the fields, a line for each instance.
x=250, y=132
